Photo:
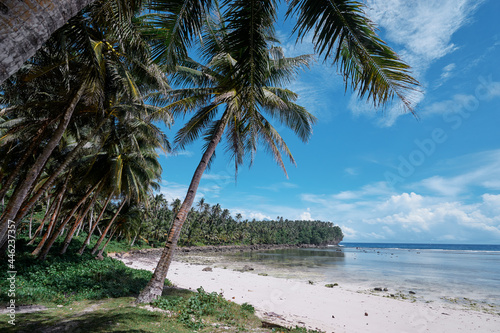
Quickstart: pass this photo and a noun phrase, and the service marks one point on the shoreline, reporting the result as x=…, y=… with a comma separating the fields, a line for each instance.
x=225, y=248
x=290, y=301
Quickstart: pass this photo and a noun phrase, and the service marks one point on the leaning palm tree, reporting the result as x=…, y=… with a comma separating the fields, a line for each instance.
x=234, y=99
x=92, y=58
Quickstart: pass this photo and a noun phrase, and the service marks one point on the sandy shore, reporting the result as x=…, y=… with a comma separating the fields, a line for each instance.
x=291, y=302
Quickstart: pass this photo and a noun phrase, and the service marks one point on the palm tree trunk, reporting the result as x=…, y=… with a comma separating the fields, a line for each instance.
x=31, y=223
x=154, y=287
x=50, y=207
x=48, y=245
x=26, y=25
x=52, y=222
x=92, y=228
x=71, y=232
x=22, y=212
x=133, y=239
x=101, y=251
x=22, y=189
x=80, y=228
x=99, y=241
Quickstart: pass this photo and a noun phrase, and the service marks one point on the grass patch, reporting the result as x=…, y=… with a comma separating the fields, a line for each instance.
x=331, y=285
x=110, y=315
x=63, y=279
x=202, y=311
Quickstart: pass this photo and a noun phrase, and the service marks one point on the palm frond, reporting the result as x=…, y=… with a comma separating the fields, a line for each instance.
x=343, y=33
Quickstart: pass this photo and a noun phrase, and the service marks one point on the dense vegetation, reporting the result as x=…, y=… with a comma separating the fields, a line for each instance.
x=213, y=225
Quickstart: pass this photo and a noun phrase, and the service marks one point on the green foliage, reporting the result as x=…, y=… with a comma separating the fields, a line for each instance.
x=331, y=285
x=192, y=311
x=70, y=277
x=213, y=225
x=248, y=308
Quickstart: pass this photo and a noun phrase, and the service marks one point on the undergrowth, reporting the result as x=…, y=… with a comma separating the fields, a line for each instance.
x=71, y=277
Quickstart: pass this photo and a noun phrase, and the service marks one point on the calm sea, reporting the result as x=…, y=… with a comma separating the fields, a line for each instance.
x=432, y=271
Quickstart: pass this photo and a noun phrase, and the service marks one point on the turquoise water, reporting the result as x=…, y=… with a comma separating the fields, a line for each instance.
x=431, y=270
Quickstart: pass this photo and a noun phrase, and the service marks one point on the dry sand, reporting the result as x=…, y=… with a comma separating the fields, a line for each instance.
x=291, y=302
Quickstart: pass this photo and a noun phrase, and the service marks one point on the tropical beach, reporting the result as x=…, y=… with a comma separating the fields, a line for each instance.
x=343, y=308
x=205, y=166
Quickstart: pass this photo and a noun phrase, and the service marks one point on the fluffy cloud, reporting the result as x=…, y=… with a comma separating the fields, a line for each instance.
x=464, y=206
x=422, y=30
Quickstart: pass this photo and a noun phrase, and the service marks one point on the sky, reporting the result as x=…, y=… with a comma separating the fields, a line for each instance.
x=383, y=175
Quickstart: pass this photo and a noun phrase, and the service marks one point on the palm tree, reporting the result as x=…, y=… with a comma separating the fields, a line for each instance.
x=91, y=57
x=243, y=93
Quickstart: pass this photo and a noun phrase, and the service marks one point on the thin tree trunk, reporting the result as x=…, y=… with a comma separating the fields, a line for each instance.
x=79, y=229
x=39, y=230
x=154, y=287
x=52, y=222
x=71, y=232
x=99, y=241
x=48, y=245
x=22, y=189
x=133, y=240
x=50, y=207
x=101, y=251
x=31, y=222
x=48, y=183
x=92, y=228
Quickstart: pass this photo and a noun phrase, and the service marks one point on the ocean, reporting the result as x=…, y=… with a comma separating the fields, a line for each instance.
x=434, y=272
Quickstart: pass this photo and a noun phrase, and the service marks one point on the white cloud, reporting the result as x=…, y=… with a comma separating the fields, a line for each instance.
x=216, y=176
x=186, y=153
x=279, y=186
x=475, y=170
x=462, y=206
x=173, y=191
x=423, y=30
x=351, y=171
x=255, y=215
x=306, y=216
x=446, y=74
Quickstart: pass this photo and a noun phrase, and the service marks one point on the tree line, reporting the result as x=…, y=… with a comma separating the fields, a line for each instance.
x=205, y=225
x=213, y=225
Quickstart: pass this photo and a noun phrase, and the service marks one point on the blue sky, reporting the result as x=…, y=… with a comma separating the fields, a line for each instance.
x=382, y=175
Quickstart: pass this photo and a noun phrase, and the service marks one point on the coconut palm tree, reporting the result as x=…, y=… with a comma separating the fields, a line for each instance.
x=91, y=57
x=233, y=99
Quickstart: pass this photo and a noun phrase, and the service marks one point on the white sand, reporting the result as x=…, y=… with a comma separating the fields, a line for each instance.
x=293, y=302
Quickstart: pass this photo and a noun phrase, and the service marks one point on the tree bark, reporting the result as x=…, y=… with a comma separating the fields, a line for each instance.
x=26, y=24
x=48, y=245
x=92, y=228
x=71, y=232
x=154, y=287
x=99, y=241
x=22, y=212
x=52, y=222
x=22, y=189
x=50, y=207
x=101, y=251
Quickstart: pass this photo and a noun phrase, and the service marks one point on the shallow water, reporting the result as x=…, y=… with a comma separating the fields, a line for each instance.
x=432, y=272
